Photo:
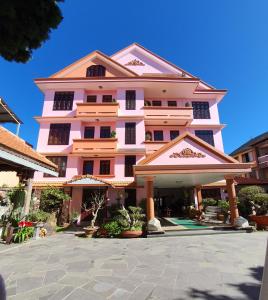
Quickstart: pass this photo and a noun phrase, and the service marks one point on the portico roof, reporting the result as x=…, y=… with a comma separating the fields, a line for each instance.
x=188, y=161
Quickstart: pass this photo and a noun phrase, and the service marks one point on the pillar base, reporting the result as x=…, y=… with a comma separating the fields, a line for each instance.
x=154, y=226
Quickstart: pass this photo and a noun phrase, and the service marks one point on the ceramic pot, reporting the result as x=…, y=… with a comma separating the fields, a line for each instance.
x=131, y=233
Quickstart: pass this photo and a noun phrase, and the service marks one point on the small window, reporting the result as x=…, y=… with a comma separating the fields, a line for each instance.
x=130, y=161
x=104, y=167
x=131, y=100
x=172, y=103
x=105, y=132
x=96, y=71
x=63, y=101
x=130, y=133
x=88, y=167
x=91, y=98
x=205, y=135
x=156, y=103
x=89, y=132
x=247, y=157
x=174, y=134
x=61, y=162
x=201, y=110
x=107, y=98
x=158, y=135
x=59, y=134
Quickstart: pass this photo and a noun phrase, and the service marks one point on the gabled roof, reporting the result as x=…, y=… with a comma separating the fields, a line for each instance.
x=13, y=143
x=195, y=139
x=247, y=146
x=88, y=180
x=161, y=59
x=7, y=115
x=88, y=58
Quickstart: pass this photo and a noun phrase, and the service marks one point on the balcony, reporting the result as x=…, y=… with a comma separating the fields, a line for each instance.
x=152, y=146
x=96, y=147
x=97, y=110
x=166, y=115
x=263, y=161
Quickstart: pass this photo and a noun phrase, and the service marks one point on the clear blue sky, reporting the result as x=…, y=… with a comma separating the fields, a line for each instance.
x=223, y=42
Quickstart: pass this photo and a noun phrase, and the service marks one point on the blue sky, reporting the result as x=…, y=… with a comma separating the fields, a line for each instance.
x=223, y=42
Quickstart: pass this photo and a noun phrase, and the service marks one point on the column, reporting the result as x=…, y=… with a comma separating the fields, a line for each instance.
x=149, y=181
x=199, y=197
x=28, y=196
x=232, y=199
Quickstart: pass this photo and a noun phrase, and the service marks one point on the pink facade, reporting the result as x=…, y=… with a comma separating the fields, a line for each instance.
x=155, y=80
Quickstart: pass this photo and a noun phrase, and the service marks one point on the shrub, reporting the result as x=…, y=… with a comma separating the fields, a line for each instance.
x=17, y=196
x=113, y=228
x=38, y=216
x=131, y=219
x=224, y=206
x=209, y=202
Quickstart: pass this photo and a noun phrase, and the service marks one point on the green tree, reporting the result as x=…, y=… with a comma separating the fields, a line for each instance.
x=25, y=25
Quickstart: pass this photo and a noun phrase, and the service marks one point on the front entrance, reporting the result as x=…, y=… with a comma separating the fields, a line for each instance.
x=173, y=202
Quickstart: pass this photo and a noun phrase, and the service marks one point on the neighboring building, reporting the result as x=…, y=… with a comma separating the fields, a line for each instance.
x=102, y=115
x=255, y=151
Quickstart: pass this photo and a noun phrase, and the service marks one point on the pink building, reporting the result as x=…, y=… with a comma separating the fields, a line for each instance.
x=137, y=126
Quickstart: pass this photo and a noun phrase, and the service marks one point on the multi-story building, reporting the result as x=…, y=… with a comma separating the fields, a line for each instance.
x=254, y=151
x=135, y=125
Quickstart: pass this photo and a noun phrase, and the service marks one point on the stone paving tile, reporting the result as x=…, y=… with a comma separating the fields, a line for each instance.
x=200, y=267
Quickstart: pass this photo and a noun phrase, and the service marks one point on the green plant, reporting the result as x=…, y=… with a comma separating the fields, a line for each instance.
x=113, y=134
x=17, y=196
x=74, y=216
x=209, y=202
x=23, y=234
x=224, y=206
x=187, y=104
x=112, y=228
x=114, y=100
x=131, y=219
x=148, y=136
x=38, y=216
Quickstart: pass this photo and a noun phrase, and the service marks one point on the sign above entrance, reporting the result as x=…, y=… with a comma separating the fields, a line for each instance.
x=187, y=153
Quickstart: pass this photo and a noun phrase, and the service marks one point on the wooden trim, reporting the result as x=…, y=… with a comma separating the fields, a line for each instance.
x=195, y=139
x=98, y=104
x=166, y=107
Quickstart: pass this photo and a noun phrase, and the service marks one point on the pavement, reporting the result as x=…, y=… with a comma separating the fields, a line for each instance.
x=63, y=266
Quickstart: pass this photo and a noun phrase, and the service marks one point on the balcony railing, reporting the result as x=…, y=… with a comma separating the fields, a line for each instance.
x=152, y=146
x=97, y=110
x=263, y=159
x=166, y=115
x=98, y=147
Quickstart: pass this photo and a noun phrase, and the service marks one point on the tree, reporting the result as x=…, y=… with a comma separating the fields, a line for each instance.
x=25, y=25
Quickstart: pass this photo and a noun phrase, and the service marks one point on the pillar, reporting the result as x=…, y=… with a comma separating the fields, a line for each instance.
x=28, y=196
x=232, y=199
x=199, y=197
x=150, y=197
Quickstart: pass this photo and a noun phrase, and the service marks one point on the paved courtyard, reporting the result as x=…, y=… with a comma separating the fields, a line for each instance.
x=221, y=267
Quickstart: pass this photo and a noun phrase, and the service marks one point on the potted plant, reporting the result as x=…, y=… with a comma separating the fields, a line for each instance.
x=224, y=210
x=147, y=103
x=187, y=104
x=113, y=134
x=96, y=204
x=113, y=100
x=148, y=136
x=110, y=229
x=131, y=221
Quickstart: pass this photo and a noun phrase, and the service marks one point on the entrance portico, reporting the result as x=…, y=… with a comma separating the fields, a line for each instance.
x=188, y=161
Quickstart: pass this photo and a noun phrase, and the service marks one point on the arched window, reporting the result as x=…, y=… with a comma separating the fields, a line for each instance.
x=96, y=70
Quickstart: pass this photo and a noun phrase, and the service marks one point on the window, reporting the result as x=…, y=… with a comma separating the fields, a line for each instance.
x=91, y=98
x=105, y=132
x=130, y=160
x=205, y=135
x=89, y=132
x=158, y=135
x=130, y=133
x=61, y=162
x=130, y=100
x=174, y=134
x=201, y=110
x=59, y=134
x=156, y=103
x=88, y=167
x=63, y=101
x=107, y=98
x=104, y=167
x=247, y=157
x=172, y=103
x=95, y=71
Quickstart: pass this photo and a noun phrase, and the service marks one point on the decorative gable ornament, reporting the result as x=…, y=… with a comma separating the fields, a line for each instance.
x=187, y=153
x=135, y=62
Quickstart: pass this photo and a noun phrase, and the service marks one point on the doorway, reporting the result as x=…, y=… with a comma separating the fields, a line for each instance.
x=130, y=199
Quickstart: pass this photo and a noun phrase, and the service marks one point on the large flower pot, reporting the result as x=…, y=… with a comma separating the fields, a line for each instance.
x=131, y=233
x=260, y=220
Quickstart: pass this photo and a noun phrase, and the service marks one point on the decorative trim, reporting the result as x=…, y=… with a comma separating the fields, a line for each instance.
x=135, y=62
x=187, y=153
